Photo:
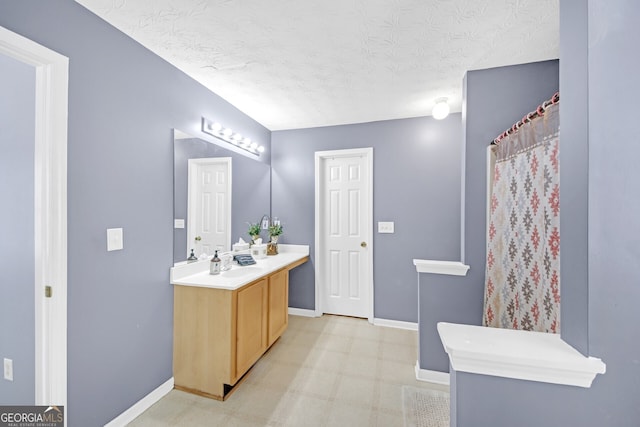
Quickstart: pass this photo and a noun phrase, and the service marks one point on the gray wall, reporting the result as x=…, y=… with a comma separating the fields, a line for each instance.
x=416, y=185
x=600, y=147
x=574, y=174
x=251, y=192
x=614, y=208
x=495, y=99
x=17, y=139
x=124, y=103
x=482, y=400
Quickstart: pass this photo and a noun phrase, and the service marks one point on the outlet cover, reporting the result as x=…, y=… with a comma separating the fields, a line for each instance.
x=385, y=227
x=114, y=239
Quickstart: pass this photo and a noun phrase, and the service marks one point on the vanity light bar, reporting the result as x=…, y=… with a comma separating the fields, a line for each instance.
x=228, y=135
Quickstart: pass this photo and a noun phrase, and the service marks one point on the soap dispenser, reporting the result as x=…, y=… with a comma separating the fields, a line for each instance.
x=214, y=266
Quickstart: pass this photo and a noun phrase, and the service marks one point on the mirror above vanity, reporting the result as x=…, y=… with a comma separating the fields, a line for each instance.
x=250, y=183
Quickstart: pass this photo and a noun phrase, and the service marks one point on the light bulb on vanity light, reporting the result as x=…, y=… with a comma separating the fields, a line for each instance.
x=441, y=109
x=227, y=135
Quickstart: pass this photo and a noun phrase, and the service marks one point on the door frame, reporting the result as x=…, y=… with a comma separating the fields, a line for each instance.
x=320, y=156
x=192, y=171
x=50, y=190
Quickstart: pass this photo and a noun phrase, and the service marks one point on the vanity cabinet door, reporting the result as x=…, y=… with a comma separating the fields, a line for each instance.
x=251, y=332
x=278, y=304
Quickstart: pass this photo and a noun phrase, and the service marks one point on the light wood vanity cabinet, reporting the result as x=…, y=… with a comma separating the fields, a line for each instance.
x=278, y=304
x=219, y=333
x=252, y=318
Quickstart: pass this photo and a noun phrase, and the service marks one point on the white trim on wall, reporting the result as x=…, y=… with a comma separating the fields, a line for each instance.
x=142, y=405
x=435, y=377
x=517, y=354
x=302, y=312
x=398, y=324
x=451, y=268
x=52, y=78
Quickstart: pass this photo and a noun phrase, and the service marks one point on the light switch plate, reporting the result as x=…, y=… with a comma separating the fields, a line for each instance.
x=178, y=223
x=114, y=239
x=385, y=227
x=8, y=369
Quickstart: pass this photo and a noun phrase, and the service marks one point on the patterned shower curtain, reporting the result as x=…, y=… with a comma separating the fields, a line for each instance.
x=522, y=284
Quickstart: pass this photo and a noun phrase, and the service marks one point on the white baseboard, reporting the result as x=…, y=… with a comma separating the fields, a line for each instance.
x=396, y=324
x=142, y=405
x=435, y=377
x=302, y=312
x=377, y=322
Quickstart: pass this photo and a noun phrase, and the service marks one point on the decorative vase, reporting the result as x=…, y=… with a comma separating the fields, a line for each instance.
x=274, y=239
x=272, y=248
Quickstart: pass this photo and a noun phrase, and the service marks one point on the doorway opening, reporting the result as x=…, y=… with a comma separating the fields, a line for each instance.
x=50, y=209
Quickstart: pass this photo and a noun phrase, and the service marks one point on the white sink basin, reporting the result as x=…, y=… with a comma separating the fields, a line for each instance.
x=241, y=271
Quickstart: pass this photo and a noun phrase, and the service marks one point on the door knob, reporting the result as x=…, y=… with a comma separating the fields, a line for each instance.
x=363, y=244
x=198, y=238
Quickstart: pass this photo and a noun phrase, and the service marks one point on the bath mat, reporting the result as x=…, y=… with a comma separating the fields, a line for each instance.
x=424, y=407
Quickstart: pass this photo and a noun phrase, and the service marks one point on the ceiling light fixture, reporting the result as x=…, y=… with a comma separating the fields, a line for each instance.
x=441, y=109
x=234, y=138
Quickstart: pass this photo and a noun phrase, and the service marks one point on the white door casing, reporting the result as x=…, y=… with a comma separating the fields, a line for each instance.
x=209, y=205
x=344, y=224
x=52, y=78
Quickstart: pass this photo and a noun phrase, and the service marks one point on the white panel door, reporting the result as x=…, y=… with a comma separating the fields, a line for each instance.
x=209, y=216
x=345, y=235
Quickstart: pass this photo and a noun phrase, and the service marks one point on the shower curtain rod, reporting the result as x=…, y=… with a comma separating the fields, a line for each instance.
x=539, y=112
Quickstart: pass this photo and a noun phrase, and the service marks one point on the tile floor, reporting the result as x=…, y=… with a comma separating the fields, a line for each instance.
x=327, y=371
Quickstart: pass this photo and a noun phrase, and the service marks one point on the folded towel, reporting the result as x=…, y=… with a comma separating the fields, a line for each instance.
x=244, y=259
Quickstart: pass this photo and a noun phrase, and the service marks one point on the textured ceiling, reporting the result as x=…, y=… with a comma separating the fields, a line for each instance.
x=306, y=63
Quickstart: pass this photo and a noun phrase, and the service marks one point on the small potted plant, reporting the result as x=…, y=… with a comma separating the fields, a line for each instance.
x=254, y=231
x=275, y=230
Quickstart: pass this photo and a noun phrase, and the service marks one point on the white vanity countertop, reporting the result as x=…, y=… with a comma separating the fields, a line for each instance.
x=197, y=273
